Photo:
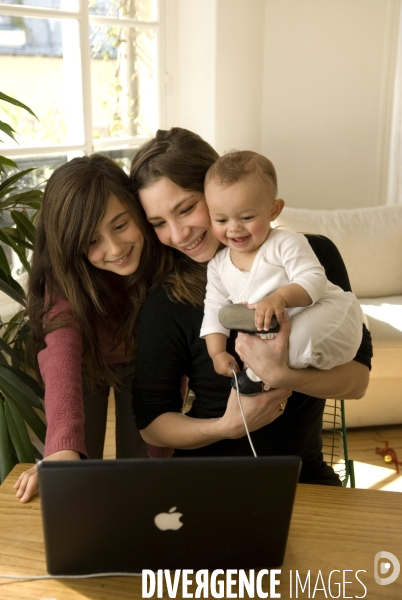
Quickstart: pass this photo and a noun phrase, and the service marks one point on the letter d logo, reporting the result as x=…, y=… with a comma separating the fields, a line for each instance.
x=384, y=568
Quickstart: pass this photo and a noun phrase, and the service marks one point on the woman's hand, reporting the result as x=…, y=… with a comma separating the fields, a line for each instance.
x=177, y=430
x=27, y=483
x=258, y=411
x=267, y=358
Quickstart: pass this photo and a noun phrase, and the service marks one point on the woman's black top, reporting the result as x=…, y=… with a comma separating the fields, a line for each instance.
x=169, y=346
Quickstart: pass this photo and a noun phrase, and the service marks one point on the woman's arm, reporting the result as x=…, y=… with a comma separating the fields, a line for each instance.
x=268, y=359
x=169, y=346
x=181, y=431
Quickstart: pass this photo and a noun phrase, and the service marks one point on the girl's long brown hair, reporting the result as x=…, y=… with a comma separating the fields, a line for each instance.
x=75, y=199
x=183, y=157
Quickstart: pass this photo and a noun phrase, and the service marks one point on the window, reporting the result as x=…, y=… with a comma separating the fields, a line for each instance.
x=89, y=71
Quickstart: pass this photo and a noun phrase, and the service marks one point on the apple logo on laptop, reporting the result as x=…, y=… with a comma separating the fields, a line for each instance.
x=169, y=520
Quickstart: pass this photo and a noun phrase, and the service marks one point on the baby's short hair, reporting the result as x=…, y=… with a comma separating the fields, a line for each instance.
x=239, y=165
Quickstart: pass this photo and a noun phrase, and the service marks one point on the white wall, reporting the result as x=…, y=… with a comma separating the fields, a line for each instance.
x=307, y=82
x=191, y=29
x=327, y=104
x=239, y=74
x=215, y=67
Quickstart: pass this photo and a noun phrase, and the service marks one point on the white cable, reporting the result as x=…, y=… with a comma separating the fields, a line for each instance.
x=241, y=410
x=16, y=578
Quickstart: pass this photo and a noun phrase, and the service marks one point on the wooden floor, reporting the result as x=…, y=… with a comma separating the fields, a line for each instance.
x=370, y=469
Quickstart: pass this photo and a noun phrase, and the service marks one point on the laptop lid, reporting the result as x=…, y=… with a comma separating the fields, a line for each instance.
x=184, y=513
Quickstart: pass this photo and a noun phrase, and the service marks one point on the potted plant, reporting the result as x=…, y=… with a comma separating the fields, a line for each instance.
x=21, y=397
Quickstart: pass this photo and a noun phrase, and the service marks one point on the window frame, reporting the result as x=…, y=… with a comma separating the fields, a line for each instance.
x=84, y=20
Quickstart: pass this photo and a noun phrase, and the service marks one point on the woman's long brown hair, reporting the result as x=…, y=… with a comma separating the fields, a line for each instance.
x=183, y=157
x=75, y=199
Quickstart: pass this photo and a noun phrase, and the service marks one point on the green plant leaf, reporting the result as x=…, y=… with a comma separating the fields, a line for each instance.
x=20, y=339
x=22, y=361
x=15, y=324
x=18, y=433
x=10, y=291
x=8, y=162
x=30, y=382
x=7, y=129
x=17, y=390
x=13, y=178
x=32, y=419
x=5, y=462
x=24, y=329
x=13, y=282
x=29, y=198
x=31, y=204
x=11, y=100
x=4, y=266
x=16, y=236
x=19, y=360
x=13, y=460
x=7, y=192
x=8, y=350
x=24, y=224
x=14, y=243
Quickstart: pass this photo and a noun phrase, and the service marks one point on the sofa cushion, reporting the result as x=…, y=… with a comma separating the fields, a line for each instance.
x=382, y=403
x=385, y=325
x=369, y=239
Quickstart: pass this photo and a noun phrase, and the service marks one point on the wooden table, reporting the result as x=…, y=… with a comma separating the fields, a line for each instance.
x=333, y=529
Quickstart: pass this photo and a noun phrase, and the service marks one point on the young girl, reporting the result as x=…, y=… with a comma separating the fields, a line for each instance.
x=95, y=259
x=272, y=270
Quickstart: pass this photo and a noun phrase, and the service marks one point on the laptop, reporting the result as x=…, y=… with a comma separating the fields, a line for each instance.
x=103, y=516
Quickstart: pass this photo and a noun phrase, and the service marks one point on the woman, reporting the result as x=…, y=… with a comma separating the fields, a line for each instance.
x=167, y=176
x=95, y=259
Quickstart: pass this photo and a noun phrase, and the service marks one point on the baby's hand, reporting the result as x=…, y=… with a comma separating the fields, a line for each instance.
x=222, y=362
x=274, y=304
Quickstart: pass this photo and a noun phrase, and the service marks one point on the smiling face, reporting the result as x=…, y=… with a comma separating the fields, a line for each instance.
x=180, y=219
x=241, y=213
x=117, y=242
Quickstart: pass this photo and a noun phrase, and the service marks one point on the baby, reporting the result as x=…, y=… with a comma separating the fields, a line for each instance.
x=270, y=270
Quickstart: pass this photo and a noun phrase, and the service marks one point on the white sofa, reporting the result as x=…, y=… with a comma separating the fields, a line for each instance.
x=370, y=241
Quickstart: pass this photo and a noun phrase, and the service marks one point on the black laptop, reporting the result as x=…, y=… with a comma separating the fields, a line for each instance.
x=107, y=516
